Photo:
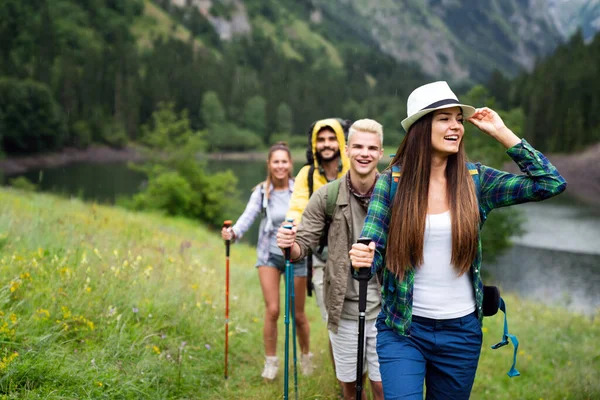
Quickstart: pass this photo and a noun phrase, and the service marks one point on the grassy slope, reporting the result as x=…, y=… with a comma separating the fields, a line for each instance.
x=98, y=303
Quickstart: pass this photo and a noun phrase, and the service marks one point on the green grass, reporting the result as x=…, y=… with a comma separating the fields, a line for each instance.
x=99, y=302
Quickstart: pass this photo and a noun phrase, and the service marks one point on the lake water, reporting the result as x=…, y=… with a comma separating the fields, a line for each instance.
x=557, y=260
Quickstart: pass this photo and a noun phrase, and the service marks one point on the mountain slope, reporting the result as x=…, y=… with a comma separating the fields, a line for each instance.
x=457, y=40
x=571, y=15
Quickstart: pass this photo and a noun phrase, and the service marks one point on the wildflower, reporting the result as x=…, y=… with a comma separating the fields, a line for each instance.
x=97, y=253
x=13, y=318
x=135, y=310
x=484, y=329
x=148, y=270
x=42, y=313
x=156, y=349
x=6, y=360
x=207, y=346
x=14, y=285
x=98, y=383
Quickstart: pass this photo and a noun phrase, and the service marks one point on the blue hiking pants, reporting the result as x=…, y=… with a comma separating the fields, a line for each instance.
x=442, y=353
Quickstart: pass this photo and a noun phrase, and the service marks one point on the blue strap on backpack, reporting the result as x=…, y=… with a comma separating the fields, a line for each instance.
x=501, y=305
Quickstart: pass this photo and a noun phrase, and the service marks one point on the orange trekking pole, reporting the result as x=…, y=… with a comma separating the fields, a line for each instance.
x=226, y=224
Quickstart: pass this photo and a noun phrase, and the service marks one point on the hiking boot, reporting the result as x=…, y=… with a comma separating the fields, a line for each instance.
x=306, y=364
x=271, y=367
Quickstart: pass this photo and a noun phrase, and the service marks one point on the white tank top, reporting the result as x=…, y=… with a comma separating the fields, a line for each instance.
x=439, y=293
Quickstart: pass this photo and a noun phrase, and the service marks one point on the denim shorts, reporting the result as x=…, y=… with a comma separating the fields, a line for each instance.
x=442, y=353
x=278, y=261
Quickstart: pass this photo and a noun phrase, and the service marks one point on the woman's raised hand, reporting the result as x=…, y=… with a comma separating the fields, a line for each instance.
x=489, y=122
x=362, y=255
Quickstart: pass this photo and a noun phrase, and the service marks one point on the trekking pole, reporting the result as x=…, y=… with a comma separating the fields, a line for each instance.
x=288, y=267
x=226, y=224
x=289, y=304
x=363, y=281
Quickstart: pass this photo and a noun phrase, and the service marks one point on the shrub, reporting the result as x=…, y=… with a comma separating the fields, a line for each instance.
x=30, y=119
x=23, y=183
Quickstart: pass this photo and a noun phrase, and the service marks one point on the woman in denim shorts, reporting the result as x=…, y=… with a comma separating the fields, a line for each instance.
x=270, y=199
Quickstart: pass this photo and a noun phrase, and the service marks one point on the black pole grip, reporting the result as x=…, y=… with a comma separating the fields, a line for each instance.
x=363, y=273
x=288, y=251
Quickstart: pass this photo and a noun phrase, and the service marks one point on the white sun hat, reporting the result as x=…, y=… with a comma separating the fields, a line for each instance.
x=431, y=97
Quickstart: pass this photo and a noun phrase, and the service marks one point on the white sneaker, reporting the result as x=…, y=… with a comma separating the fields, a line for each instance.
x=271, y=367
x=306, y=364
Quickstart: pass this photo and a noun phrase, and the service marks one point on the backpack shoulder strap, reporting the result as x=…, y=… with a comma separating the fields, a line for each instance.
x=475, y=175
x=311, y=180
x=333, y=190
x=395, y=179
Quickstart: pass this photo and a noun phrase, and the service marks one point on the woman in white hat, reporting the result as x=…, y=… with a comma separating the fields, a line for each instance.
x=424, y=222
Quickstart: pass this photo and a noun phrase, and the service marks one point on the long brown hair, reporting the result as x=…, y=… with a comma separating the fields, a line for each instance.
x=277, y=146
x=409, y=206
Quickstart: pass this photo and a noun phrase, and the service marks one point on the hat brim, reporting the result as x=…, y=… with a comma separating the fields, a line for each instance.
x=467, y=111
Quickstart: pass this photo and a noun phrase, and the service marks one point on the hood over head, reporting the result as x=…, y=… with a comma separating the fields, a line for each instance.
x=337, y=128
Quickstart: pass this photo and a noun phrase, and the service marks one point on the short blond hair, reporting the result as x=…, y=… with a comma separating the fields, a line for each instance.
x=366, y=125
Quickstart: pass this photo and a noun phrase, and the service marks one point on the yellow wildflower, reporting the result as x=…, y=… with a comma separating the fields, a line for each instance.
x=14, y=285
x=6, y=360
x=98, y=383
x=13, y=318
x=42, y=313
x=156, y=349
x=148, y=270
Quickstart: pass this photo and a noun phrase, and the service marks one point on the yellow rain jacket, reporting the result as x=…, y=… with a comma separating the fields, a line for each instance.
x=300, y=195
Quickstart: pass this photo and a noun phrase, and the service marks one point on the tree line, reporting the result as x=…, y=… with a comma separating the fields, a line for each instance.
x=559, y=98
x=73, y=73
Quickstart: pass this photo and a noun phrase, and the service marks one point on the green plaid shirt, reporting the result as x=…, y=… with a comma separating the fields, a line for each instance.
x=540, y=180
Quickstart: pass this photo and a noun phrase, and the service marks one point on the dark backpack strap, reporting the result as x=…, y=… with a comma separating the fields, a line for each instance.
x=311, y=180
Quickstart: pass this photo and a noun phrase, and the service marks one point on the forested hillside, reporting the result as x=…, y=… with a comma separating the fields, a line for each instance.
x=250, y=72
x=559, y=97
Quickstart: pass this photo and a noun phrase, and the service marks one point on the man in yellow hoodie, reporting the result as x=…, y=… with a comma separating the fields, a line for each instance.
x=330, y=162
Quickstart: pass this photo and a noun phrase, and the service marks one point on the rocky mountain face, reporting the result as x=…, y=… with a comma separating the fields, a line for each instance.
x=570, y=15
x=457, y=40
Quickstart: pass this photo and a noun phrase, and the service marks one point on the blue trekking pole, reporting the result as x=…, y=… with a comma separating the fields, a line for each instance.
x=290, y=303
x=363, y=281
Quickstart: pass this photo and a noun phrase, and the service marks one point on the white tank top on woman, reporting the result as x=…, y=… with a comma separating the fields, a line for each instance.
x=439, y=293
